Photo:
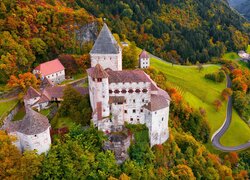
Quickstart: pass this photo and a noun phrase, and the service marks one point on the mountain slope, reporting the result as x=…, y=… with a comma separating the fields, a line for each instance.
x=197, y=30
x=243, y=6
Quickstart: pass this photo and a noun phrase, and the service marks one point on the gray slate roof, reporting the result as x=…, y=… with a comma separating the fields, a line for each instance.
x=105, y=43
x=33, y=123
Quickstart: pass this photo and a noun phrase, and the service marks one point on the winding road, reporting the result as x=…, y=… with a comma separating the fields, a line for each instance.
x=221, y=131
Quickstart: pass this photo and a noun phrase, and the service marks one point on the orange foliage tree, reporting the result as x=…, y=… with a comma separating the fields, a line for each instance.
x=23, y=81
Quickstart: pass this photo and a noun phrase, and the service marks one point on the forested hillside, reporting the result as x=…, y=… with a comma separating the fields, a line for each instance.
x=35, y=31
x=197, y=30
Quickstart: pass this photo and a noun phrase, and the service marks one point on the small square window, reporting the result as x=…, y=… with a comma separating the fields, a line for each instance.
x=125, y=111
x=134, y=110
x=131, y=119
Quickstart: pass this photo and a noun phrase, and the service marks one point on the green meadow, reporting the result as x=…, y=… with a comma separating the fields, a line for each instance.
x=200, y=92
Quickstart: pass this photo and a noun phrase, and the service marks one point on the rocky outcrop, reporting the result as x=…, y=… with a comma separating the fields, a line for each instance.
x=87, y=32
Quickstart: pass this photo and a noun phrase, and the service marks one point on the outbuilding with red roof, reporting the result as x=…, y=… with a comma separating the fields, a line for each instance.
x=52, y=70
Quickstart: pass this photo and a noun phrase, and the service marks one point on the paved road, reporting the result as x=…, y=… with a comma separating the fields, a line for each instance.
x=219, y=133
x=8, y=99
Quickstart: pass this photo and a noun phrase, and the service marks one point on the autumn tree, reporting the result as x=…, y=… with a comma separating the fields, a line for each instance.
x=226, y=93
x=23, y=81
x=14, y=165
x=217, y=104
x=130, y=56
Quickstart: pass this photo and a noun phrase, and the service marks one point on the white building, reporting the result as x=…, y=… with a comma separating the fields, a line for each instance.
x=33, y=132
x=52, y=70
x=106, y=51
x=144, y=60
x=119, y=96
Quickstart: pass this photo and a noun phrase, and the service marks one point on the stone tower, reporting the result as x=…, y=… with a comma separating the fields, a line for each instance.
x=144, y=61
x=98, y=92
x=106, y=51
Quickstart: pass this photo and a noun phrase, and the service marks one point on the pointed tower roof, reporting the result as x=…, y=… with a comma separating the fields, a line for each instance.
x=97, y=72
x=33, y=123
x=105, y=43
x=144, y=54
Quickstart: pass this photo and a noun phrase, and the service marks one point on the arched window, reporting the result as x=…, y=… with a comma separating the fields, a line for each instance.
x=130, y=91
x=110, y=91
x=117, y=91
x=137, y=90
x=144, y=90
x=124, y=91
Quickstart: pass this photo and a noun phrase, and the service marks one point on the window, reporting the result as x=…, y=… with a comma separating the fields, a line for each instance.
x=141, y=110
x=110, y=91
x=134, y=110
x=144, y=90
x=162, y=119
x=131, y=119
x=99, y=79
x=117, y=91
x=124, y=91
x=130, y=91
x=137, y=90
x=35, y=135
x=142, y=100
x=103, y=96
x=133, y=100
x=125, y=111
x=138, y=120
x=155, y=112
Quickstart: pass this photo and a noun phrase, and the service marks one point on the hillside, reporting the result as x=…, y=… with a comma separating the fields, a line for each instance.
x=243, y=6
x=32, y=32
x=197, y=30
x=194, y=88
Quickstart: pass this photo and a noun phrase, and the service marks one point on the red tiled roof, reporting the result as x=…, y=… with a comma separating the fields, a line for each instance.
x=144, y=55
x=127, y=76
x=50, y=67
x=31, y=93
x=97, y=72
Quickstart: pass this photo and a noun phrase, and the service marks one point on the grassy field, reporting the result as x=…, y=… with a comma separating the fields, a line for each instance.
x=200, y=92
x=231, y=56
x=6, y=106
x=248, y=49
x=60, y=122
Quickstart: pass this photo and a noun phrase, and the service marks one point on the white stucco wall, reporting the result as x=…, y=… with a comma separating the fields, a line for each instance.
x=99, y=92
x=40, y=142
x=133, y=112
x=157, y=123
x=144, y=62
x=112, y=61
x=57, y=77
x=31, y=101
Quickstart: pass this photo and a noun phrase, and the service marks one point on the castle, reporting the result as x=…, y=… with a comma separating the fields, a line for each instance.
x=118, y=96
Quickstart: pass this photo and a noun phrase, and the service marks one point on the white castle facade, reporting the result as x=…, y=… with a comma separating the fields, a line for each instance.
x=118, y=96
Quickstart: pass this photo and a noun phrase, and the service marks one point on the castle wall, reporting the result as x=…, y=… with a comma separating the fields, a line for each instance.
x=112, y=61
x=40, y=142
x=133, y=112
x=157, y=123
